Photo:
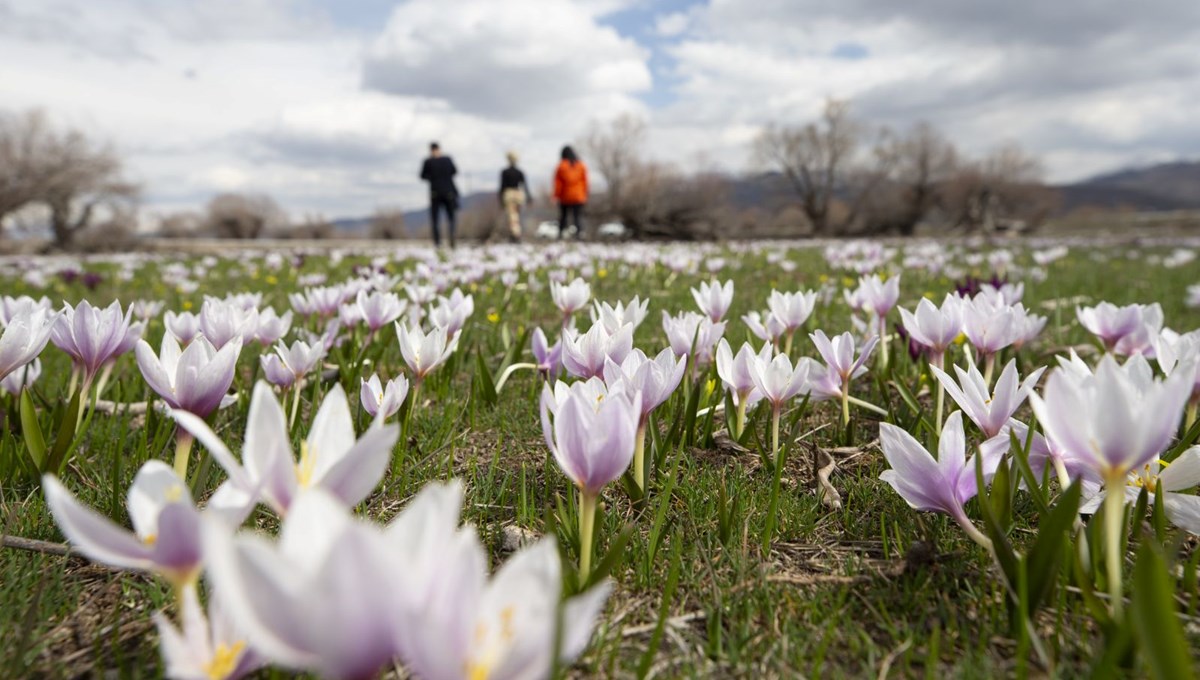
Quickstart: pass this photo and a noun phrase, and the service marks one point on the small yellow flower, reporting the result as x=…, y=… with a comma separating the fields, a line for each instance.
x=272, y=280
x=823, y=278
x=494, y=317
x=474, y=287
x=187, y=304
x=847, y=281
x=601, y=273
x=962, y=337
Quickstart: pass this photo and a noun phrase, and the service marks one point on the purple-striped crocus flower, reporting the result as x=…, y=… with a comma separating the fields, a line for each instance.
x=166, y=526
x=383, y=400
x=94, y=337
x=25, y=336
x=196, y=379
x=185, y=326
x=654, y=380
x=943, y=484
x=714, y=298
x=592, y=439
x=989, y=409
x=331, y=457
x=204, y=647
x=584, y=355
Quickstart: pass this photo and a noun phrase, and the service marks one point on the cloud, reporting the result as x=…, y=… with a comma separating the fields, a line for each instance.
x=671, y=25
x=1026, y=70
x=515, y=59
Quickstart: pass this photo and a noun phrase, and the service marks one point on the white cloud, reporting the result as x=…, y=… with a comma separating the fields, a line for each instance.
x=671, y=25
x=515, y=59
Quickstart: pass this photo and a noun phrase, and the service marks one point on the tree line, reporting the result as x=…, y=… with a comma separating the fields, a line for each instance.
x=832, y=176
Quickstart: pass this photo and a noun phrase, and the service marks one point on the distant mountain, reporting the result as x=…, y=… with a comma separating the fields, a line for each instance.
x=1166, y=186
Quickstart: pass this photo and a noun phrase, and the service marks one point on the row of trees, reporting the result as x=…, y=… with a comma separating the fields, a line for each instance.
x=838, y=174
x=844, y=176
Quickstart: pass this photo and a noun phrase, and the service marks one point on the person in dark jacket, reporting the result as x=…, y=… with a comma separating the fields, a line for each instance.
x=514, y=192
x=570, y=190
x=439, y=171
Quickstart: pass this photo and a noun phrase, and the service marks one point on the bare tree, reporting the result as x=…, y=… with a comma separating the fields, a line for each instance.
x=1002, y=192
x=915, y=167
x=243, y=216
x=75, y=179
x=614, y=150
x=659, y=201
x=815, y=159
x=387, y=223
x=186, y=224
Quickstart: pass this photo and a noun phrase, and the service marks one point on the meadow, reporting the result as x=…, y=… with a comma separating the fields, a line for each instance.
x=737, y=555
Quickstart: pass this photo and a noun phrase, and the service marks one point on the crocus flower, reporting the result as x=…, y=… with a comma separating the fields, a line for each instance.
x=941, y=485
x=452, y=312
x=777, y=380
x=185, y=326
x=584, y=355
x=503, y=629
x=324, y=598
x=989, y=410
x=276, y=372
x=840, y=361
x=221, y=321
x=876, y=295
x=593, y=442
x=21, y=378
x=571, y=297
x=301, y=358
x=990, y=324
x=331, y=458
x=693, y=334
x=615, y=316
x=1182, y=474
x=792, y=309
x=378, y=309
x=934, y=327
x=422, y=351
x=735, y=370
x=714, y=299
x=94, y=337
x=271, y=326
x=24, y=338
x=195, y=380
x=205, y=648
x=548, y=357
x=1109, y=322
x=654, y=380
x=764, y=326
x=166, y=526
x=383, y=401
x=1116, y=420
x=10, y=306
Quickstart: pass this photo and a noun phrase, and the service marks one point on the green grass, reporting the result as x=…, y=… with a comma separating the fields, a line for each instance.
x=839, y=593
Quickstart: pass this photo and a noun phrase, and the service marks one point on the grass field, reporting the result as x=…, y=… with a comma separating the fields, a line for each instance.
x=870, y=588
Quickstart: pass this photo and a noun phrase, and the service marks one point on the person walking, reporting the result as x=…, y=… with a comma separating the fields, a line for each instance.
x=514, y=192
x=571, y=191
x=439, y=171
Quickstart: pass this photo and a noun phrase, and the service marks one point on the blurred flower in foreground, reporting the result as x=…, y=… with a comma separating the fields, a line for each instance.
x=166, y=526
x=204, y=648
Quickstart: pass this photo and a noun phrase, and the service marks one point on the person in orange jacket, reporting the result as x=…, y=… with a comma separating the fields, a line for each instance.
x=570, y=190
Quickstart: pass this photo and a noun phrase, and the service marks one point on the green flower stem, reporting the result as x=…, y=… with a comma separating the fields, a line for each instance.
x=183, y=450
x=1114, y=519
x=587, y=527
x=639, y=458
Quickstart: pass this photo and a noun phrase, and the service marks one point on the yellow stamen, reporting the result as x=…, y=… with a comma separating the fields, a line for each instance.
x=307, y=465
x=224, y=660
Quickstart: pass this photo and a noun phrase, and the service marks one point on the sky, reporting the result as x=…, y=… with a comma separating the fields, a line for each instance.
x=329, y=105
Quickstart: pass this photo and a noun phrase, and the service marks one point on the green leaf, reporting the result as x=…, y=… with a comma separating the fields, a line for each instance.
x=66, y=434
x=1157, y=628
x=1005, y=555
x=664, y=610
x=1045, y=557
x=487, y=387
x=613, y=557
x=35, y=444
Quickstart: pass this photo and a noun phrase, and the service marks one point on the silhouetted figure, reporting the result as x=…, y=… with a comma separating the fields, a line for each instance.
x=514, y=192
x=439, y=171
x=571, y=191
